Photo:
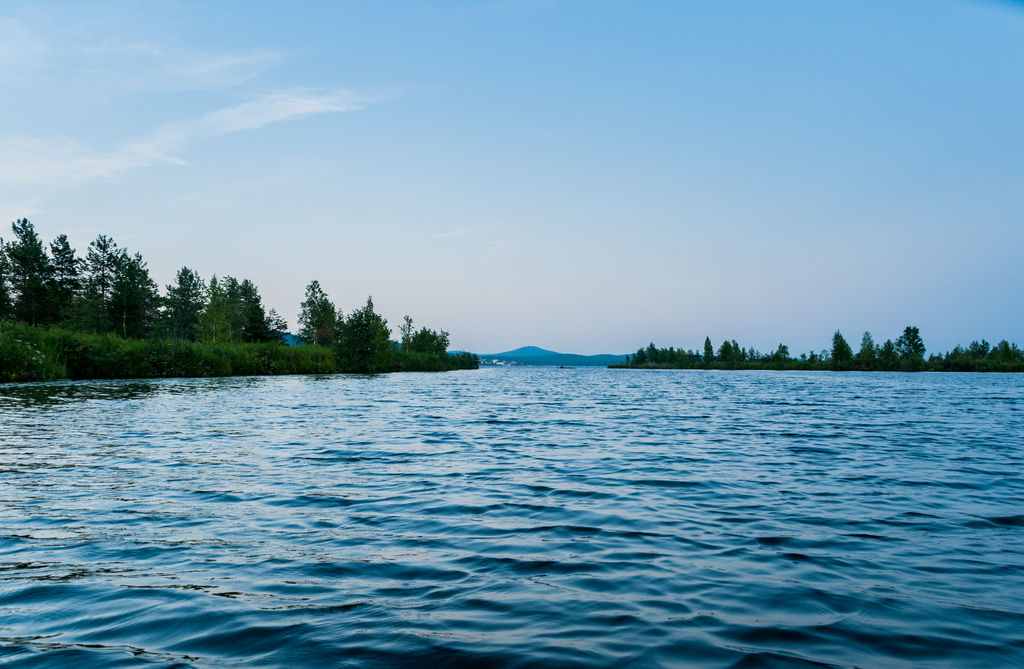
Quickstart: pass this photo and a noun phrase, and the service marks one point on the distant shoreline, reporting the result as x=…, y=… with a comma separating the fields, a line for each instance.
x=906, y=354
x=797, y=368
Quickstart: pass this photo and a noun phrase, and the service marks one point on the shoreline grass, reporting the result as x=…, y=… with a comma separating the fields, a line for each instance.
x=35, y=354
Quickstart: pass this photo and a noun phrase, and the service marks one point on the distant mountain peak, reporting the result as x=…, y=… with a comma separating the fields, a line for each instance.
x=524, y=352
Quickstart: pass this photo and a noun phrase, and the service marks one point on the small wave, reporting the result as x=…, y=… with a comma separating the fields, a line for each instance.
x=514, y=519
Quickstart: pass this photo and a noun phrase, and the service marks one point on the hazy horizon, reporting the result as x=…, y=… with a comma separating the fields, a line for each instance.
x=582, y=178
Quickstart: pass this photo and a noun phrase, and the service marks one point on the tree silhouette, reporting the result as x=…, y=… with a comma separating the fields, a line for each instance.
x=842, y=354
x=185, y=301
x=318, y=319
x=31, y=272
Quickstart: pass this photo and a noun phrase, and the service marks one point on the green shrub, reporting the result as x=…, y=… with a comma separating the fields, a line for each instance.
x=27, y=356
x=37, y=354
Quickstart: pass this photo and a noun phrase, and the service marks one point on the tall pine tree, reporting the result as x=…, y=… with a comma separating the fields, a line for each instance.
x=101, y=262
x=842, y=353
x=31, y=271
x=255, y=318
x=184, y=303
x=66, y=281
x=134, y=298
x=868, y=353
x=235, y=312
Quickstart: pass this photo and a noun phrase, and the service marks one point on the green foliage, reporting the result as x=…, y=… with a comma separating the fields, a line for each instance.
x=364, y=345
x=709, y=351
x=414, y=361
x=66, y=279
x=406, y=330
x=888, y=356
x=981, y=357
x=31, y=272
x=255, y=324
x=911, y=348
x=27, y=354
x=842, y=353
x=184, y=302
x=101, y=261
x=463, y=360
x=867, y=356
x=653, y=356
x=1005, y=352
x=120, y=326
x=427, y=351
x=134, y=303
x=906, y=355
x=276, y=326
x=731, y=352
x=213, y=326
x=428, y=341
x=241, y=306
x=318, y=320
x=233, y=311
x=35, y=354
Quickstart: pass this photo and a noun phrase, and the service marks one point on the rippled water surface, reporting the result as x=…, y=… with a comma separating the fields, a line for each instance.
x=515, y=518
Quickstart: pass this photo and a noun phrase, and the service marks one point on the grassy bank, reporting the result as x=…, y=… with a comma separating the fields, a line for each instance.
x=36, y=354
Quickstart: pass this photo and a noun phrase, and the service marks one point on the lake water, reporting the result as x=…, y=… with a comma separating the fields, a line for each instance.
x=515, y=518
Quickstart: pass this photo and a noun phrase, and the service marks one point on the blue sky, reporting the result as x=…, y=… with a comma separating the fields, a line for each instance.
x=582, y=176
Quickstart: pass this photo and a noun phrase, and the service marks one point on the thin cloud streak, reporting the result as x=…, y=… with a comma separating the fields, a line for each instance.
x=64, y=162
x=66, y=59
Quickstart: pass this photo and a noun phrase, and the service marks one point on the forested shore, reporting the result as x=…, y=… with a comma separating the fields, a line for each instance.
x=906, y=354
x=102, y=316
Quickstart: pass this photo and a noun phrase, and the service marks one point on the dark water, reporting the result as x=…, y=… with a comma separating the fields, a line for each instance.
x=515, y=518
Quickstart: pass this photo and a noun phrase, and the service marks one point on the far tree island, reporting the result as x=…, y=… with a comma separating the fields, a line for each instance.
x=906, y=354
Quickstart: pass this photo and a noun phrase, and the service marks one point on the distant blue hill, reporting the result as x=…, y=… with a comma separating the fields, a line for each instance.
x=525, y=352
x=527, y=355
x=533, y=355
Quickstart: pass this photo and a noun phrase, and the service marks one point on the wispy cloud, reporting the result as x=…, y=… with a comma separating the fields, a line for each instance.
x=88, y=58
x=10, y=211
x=148, y=66
x=62, y=161
x=59, y=161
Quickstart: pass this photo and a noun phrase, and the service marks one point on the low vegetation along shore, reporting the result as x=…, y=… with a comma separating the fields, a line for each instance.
x=906, y=354
x=103, y=317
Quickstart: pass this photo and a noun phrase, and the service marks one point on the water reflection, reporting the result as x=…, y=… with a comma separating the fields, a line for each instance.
x=62, y=392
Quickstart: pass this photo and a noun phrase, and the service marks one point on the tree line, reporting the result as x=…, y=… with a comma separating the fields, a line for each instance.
x=109, y=292
x=363, y=339
x=907, y=354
